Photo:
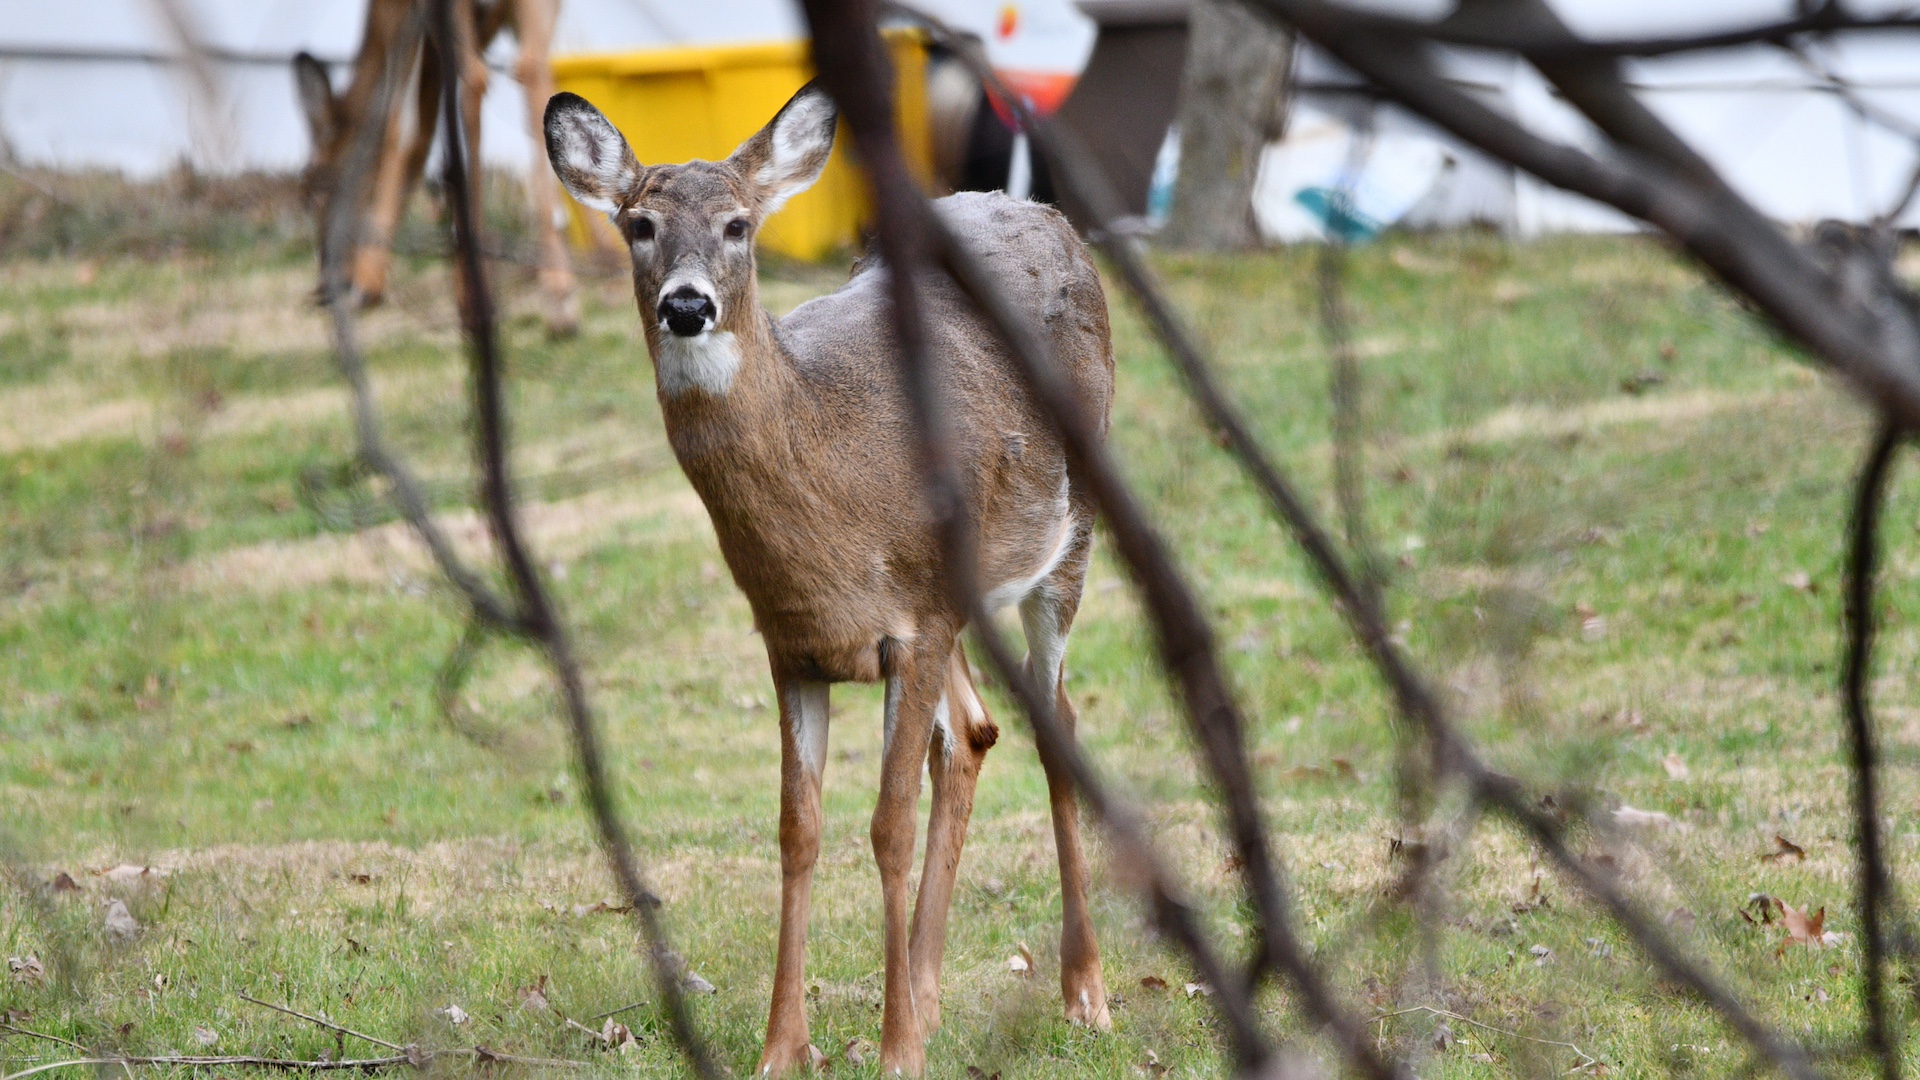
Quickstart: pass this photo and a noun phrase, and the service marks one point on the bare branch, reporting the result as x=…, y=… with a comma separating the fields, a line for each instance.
x=1722, y=231
x=1484, y=27
x=339, y=238
x=1415, y=700
x=1874, y=881
x=851, y=64
x=538, y=619
x=328, y=1024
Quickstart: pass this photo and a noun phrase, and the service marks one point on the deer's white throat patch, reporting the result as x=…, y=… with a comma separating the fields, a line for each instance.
x=708, y=361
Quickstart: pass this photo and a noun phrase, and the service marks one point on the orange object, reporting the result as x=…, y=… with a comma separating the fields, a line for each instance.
x=1009, y=21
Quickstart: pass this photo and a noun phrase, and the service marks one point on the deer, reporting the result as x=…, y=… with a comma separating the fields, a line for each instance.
x=335, y=119
x=797, y=436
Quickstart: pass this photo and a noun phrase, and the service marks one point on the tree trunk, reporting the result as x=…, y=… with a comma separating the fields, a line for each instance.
x=1232, y=103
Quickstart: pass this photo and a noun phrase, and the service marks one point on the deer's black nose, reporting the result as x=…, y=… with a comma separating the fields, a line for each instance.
x=687, y=311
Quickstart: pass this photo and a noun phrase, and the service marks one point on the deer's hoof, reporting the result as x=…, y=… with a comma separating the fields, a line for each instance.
x=782, y=1059
x=908, y=1061
x=1088, y=1005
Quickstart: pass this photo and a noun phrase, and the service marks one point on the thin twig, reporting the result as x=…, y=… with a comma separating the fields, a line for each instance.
x=1349, y=438
x=315, y=1065
x=328, y=1024
x=338, y=239
x=18, y=1030
x=1415, y=700
x=539, y=620
x=1873, y=880
x=415, y=1057
x=853, y=68
x=1587, y=1060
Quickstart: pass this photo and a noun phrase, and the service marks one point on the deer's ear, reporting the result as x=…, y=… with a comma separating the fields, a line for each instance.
x=316, y=98
x=591, y=158
x=784, y=158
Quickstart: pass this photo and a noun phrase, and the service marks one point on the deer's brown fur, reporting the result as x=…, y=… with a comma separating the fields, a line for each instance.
x=796, y=434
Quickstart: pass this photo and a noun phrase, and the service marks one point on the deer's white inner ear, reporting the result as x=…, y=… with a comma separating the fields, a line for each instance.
x=802, y=141
x=590, y=157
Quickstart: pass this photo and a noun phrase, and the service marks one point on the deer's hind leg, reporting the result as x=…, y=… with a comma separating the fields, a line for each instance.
x=1046, y=615
x=962, y=735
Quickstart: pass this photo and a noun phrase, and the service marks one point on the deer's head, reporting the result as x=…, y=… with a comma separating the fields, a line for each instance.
x=326, y=124
x=690, y=227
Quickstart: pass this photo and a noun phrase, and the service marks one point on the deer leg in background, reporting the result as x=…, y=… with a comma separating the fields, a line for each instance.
x=803, y=758
x=462, y=57
x=533, y=25
x=916, y=681
x=1046, y=616
x=962, y=735
x=390, y=186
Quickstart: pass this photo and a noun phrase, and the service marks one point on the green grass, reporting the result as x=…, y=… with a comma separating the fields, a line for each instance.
x=1598, y=484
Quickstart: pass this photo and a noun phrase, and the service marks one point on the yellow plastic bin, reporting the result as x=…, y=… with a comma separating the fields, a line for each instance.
x=683, y=103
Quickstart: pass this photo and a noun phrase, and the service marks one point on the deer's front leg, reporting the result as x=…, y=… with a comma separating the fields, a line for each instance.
x=914, y=687
x=803, y=757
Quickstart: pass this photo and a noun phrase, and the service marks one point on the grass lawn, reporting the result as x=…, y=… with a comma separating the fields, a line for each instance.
x=1612, y=506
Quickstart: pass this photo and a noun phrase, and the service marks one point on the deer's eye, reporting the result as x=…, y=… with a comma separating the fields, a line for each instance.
x=736, y=228
x=643, y=229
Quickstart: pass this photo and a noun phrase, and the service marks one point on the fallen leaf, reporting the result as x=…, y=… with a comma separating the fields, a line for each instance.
x=63, y=882
x=1784, y=849
x=855, y=1052
x=1021, y=963
x=615, y=1035
x=26, y=969
x=1627, y=815
x=1679, y=917
x=692, y=983
x=1153, y=982
x=1442, y=1037
x=120, y=922
x=819, y=1061
x=1805, y=929
x=1801, y=581
x=1759, y=908
x=975, y=1072
x=455, y=1014
x=1541, y=954
x=533, y=996
x=359, y=878
x=1200, y=988
x=205, y=1035
x=1233, y=864
x=1676, y=767
x=127, y=872
x=1151, y=1065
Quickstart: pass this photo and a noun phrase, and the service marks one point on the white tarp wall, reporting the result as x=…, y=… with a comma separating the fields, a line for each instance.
x=1776, y=130
x=82, y=85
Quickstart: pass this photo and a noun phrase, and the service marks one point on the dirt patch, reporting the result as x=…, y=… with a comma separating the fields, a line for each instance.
x=392, y=554
x=1544, y=422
